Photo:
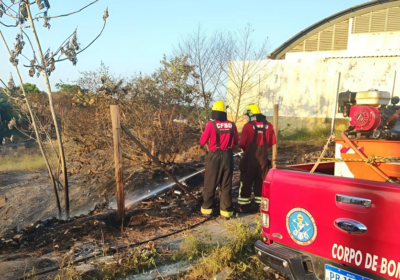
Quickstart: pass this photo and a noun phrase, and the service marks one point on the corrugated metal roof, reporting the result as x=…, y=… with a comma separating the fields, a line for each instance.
x=366, y=56
x=326, y=22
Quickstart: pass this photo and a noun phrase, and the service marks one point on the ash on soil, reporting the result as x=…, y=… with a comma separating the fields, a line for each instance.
x=29, y=198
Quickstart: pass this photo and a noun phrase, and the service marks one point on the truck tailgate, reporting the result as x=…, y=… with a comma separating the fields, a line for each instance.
x=350, y=221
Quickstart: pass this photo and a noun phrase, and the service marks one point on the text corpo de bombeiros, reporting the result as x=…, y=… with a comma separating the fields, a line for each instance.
x=366, y=260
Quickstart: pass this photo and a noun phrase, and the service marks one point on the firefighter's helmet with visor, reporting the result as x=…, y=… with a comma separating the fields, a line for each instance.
x=251, y=109
x=219, y=106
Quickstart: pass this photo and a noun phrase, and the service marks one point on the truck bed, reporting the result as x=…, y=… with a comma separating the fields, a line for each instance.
x=327, y=168
x=348, y=224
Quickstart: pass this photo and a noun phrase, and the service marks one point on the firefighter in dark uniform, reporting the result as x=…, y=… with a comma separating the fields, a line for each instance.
x=221, y=136
x=257, y=136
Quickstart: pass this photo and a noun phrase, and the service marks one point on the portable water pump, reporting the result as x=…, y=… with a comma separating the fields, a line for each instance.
x=370, y=114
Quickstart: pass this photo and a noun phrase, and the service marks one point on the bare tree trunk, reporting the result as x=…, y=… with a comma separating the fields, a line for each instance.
x=206, y=111
x=39, y=141
x=240, y=93
x=198, y=116
x=53, y=113
x=246, y=63
x=207, y=54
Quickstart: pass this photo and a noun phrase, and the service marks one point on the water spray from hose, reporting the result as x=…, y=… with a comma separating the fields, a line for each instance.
x=144, y=195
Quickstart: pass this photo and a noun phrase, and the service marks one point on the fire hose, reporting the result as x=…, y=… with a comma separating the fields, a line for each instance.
x=176, y=181
x=118, y=248
x=111, y=250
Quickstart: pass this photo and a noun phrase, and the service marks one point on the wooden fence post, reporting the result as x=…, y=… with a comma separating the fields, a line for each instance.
x=275, y=147
x=119, y=180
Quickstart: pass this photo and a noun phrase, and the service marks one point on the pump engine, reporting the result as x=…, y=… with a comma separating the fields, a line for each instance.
x=370, y=114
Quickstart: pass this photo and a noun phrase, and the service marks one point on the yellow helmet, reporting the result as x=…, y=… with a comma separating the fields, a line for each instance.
x=219, y=106
x=252, y=109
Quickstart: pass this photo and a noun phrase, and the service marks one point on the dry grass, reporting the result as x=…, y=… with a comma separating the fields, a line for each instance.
x=304, y=134
x=238, y=254
x=208, y=257
x=26, y=162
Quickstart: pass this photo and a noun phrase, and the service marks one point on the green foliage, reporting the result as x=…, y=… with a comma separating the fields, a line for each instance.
x=137, y=261
x=67, y=88
x=7, y=112
x=193, y=114
x=148, y=104
x=22, y=162
x=31, y=88
x=5, y=107
x=238, y=254
x=167, y=86
x=83, y=99
x=174, y=75
x=194, y=247
x=209, y=258
x=6, y=132
x=303, y=134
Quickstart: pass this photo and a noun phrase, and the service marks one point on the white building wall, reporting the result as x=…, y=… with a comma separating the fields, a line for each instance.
x=305, y=83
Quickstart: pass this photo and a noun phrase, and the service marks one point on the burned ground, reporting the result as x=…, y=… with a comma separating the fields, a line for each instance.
x=29, y=229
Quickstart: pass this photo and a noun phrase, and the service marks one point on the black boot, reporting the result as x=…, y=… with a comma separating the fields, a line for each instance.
x=249, y=208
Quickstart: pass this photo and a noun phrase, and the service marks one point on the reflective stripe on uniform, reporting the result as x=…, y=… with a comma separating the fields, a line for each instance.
x=243, y=200
x=257, y=199
x=226, y=214
x=206, y=211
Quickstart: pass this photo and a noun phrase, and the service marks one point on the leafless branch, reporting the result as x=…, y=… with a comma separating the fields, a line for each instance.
x=205, y=52
x=246, y=69
x=3, y=83
x=55, y=53
x=105, y=22
x=9, y=14
x=33, y=50
x=63, y=44
x=69, y=13
x=10, y=7
x=58, y=50
x=9, y=25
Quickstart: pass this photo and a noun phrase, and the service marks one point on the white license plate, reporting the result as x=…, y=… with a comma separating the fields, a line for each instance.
x=333, y=273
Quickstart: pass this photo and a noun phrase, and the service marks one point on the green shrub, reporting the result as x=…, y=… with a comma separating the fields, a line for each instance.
x=304, y=134
x=238, y=254
x=27, y=162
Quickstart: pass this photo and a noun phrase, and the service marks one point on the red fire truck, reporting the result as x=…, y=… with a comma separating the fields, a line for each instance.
x=343, y=221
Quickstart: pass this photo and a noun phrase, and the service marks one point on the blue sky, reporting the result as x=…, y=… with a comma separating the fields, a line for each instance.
x=138, y=33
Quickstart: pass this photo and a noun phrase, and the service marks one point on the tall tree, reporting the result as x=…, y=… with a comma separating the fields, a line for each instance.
x=246, y=69
x=228, y=66
x=206, y=53
x=31, y=88
x=5, y=107
x=21, y=13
